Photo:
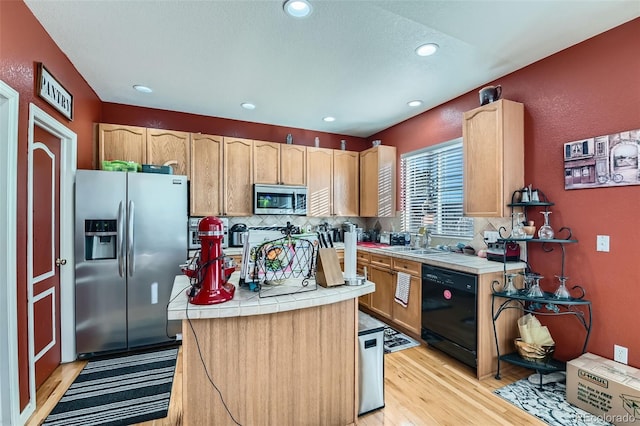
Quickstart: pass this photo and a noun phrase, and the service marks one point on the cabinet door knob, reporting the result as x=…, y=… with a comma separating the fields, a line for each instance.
x=60, y=262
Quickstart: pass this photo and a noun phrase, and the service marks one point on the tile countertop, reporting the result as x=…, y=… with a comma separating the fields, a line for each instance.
x=456, y=261
x=246, y=302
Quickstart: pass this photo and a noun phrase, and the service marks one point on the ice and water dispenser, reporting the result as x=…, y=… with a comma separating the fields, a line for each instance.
x=100, y=238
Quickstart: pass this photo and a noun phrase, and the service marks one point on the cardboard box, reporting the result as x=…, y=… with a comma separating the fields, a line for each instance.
x=605, y=388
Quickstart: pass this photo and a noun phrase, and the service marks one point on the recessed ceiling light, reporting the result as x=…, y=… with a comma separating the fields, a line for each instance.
x=247, y=105
x=427, y=49
x=297, y=8
x=143, y=89
x=414, y=103
x=329, y=119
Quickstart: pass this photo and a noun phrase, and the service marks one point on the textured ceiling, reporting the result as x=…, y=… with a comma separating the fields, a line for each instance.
x=353, y=60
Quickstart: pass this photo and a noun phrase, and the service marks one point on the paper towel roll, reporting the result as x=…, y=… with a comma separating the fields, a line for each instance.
x=350, y=240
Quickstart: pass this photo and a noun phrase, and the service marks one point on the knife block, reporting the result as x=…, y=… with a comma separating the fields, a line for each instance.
x=328, y=273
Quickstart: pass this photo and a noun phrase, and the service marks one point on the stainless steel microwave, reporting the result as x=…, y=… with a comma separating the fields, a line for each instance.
x=279, y=199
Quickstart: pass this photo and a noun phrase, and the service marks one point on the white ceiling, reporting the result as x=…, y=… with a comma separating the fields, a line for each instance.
x=352, y=59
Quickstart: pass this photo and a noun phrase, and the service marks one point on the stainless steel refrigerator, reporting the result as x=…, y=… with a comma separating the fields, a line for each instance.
x=130, y=238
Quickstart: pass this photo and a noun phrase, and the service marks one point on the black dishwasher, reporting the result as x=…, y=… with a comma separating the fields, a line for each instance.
x=449, y=312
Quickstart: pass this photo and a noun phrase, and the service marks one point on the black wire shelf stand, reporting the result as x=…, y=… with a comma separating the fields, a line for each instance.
x=547, y=304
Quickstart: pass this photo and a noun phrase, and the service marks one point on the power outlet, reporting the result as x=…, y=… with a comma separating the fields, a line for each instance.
x=620, y=354
x=602, y=243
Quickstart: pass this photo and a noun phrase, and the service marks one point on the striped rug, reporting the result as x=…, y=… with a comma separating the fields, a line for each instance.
x=118, y=391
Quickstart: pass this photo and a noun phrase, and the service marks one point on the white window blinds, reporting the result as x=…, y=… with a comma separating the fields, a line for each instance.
x=431, y=185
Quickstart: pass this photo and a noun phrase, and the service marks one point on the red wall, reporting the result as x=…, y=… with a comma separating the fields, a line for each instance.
x=590, y=89
x=23, y=43
x=170, y=120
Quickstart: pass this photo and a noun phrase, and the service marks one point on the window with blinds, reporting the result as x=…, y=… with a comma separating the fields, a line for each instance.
x=431, y=185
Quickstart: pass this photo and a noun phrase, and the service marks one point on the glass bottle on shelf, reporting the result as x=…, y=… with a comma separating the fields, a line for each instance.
x=545, y=232
x=562, y=292
x=517, y=231
x=535, y=291
x=528, y=281
x=509, y=287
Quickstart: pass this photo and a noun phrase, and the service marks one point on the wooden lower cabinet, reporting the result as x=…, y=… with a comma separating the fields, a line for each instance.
x=409, y=317
x=382, y=299
x=273, y=369
x=506, y=327
x=380, y=273
x=362, y=268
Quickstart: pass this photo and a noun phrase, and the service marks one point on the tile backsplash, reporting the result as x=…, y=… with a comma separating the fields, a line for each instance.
x=480, y=224
x=384, y=224
x=303, y=222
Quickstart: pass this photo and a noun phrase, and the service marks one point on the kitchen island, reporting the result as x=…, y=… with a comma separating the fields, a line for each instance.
x=282, y=360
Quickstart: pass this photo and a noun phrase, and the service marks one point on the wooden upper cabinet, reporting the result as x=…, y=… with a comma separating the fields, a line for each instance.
x=266, y=162
x=319, y=182
x=144, y=146
x=378, y=182
x=346, y=176
x=279, y=164
x=117, y=142
x=293, y=164
x=493, y=144
x=206, y=175
x=169, y=148
x=238, y=177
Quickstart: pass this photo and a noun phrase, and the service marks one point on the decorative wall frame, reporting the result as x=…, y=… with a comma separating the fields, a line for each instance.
x=53, y=92
x=610, y=160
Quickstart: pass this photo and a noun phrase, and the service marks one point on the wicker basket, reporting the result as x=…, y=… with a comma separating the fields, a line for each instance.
x=534, y=353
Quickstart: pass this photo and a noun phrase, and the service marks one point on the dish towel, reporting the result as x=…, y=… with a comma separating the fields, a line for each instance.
x=402, y=288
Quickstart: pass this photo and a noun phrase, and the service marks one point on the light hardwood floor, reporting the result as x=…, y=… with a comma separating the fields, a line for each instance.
x=422, y=387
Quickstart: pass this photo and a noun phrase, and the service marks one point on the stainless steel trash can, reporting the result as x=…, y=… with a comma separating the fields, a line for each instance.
x=371, y=362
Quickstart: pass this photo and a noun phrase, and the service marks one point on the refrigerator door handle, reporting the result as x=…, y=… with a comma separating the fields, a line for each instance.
x=120, y=240
x=130, y=239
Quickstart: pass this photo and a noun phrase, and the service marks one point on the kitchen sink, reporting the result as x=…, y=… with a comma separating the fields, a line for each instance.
x=412, y=250
x=400, y=248
x=431, y=251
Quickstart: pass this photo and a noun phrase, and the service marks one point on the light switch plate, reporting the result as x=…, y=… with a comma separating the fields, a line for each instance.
x=602, y=243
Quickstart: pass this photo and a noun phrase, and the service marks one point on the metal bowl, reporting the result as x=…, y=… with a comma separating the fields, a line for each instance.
x=357, y=280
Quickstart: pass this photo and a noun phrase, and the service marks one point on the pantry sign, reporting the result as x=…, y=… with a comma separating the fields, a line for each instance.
x=54, y=93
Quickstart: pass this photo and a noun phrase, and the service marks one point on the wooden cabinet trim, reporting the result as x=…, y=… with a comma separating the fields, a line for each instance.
x=408, y=266
x=380, y=260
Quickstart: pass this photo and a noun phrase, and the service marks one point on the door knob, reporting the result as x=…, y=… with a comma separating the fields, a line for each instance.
x=60, y=262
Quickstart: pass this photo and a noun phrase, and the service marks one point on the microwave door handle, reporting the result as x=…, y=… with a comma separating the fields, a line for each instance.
x=120, y=240
x=130, y=239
